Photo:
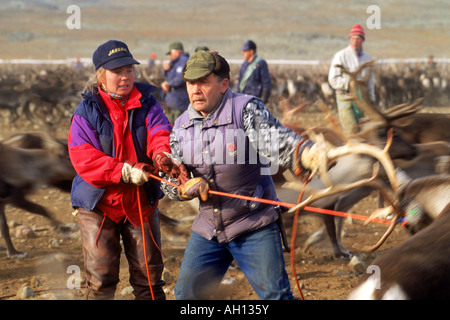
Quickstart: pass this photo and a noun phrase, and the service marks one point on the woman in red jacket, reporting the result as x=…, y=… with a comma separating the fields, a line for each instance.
x=117, y=132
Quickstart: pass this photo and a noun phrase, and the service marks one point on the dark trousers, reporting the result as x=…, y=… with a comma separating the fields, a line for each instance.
x=100, y=237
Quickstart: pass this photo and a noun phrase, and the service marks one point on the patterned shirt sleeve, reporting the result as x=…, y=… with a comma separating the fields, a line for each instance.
x=268, y=136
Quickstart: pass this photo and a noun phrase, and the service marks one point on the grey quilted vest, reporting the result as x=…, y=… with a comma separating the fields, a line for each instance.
x=218, y=150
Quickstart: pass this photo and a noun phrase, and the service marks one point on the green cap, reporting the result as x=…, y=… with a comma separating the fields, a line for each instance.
x=204, y=48
x=175, y=45
x=203, y=63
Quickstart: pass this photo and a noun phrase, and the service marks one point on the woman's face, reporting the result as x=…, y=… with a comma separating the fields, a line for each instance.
x=119, y=81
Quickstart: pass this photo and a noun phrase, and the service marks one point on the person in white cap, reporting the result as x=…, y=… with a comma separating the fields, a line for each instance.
x=350, y=58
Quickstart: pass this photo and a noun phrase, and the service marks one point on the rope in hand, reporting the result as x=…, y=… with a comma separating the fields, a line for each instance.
x=283, y=204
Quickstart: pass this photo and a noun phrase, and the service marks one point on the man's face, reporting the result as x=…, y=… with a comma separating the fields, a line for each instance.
x=356, y=42
x=175, y=53
x=206, y=93
x=248, y=54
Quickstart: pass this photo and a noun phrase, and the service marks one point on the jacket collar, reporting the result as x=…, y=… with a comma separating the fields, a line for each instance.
x=95, y=97
x=145, y=89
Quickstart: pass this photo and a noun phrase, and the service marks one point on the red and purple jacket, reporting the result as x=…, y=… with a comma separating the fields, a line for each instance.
x=103, y=135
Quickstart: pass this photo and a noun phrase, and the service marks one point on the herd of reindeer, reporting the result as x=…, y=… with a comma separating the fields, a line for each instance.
x=400, y=150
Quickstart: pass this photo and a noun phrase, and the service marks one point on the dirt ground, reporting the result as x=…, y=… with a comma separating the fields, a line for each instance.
x=52, y=254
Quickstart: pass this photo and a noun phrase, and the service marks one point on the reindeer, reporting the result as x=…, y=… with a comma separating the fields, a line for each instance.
x=347, y=169
x=417, y=268
x=28, y=161
x=404, y=119
x=357, y=167
x=355, y=162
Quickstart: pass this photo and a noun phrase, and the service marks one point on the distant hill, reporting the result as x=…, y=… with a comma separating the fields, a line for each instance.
x=282, y=29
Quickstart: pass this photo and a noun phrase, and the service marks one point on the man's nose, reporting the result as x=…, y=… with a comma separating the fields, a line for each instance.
x=195, y=88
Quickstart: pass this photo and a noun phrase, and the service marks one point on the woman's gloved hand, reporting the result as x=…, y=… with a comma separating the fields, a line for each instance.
x=196, y=187
x=136, y=172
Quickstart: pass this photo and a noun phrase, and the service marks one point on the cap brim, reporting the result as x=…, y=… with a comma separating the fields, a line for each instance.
x=190, y=75
x=119, y=62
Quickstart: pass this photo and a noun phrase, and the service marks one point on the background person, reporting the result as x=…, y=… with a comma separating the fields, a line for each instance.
x=174, y=87
x=350, y=58
x=254, y=76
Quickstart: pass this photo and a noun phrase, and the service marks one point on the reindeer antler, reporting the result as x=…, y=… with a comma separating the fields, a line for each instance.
x=373, y=113
x=332, y=190
x=330, y=153
x=370, y=182
x=354, y=74
x=353, y=147
x=393, y=207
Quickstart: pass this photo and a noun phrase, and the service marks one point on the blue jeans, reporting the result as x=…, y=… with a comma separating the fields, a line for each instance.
x=258, y=253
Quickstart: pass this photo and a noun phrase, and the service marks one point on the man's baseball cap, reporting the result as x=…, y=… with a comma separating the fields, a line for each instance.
x=204, y=48
x=175, y=46
x=248, y=45
x=203, y=63
x=111, y=55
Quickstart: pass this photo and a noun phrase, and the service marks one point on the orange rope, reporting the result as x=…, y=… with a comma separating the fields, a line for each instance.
x=284, y=204
x=143, y=242
x=293, y=238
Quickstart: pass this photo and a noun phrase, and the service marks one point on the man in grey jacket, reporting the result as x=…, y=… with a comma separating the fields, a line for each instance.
x=226, y=140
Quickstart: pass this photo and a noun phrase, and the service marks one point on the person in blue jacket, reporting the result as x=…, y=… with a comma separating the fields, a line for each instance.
x=254, y=76
x=176, y=98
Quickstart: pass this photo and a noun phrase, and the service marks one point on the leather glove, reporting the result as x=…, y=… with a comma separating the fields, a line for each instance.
x=135, y=173
x=165, y=163
x=196, y=187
